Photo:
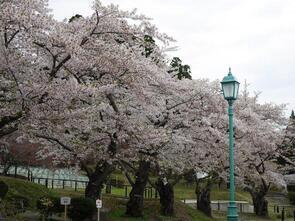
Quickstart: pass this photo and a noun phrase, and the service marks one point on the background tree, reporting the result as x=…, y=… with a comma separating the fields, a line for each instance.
x=258, y=135
x=85, y=104
x=178, y=70
x=287, y=148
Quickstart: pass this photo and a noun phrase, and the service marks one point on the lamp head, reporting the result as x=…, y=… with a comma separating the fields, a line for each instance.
x=230, y=87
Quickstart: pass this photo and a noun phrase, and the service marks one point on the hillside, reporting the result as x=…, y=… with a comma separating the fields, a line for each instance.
x=113, y=206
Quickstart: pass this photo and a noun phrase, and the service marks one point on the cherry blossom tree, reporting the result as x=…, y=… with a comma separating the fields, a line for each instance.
x=18, y=20
x=258, y=132
x=84, y=80
x=191, y=118
x=96, y=91
x=206, y=156
x=258, y=135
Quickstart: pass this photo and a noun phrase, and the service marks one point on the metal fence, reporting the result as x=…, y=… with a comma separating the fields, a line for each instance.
x=65, y=178
x=284, y=211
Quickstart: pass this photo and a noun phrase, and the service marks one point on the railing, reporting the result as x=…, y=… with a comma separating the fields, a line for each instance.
x=76, y=184
x=40, y=172
x=59, y=183
x=149, y=192
x=124, y=191
x=284, y=211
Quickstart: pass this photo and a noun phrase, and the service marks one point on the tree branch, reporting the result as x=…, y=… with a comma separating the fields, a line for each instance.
x=6, y=131
x=9, y=119
x=6, y=40
x=55, y=140
x=59, y=66
x=86, y=169
x=112, y=102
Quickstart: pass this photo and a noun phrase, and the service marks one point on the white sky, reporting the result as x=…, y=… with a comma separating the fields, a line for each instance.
x=256, y=38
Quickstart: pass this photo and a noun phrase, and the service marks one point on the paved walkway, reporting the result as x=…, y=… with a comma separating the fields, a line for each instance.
x=221, y=205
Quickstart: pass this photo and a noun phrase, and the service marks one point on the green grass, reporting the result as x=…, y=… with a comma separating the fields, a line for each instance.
x=67, y=192
x=22, y=188
x=151, y=211
x=33, y=191
x=184, y=191
x=116, y=205
x=196, y=215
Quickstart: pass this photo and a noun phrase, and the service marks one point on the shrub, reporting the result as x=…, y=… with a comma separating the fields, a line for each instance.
x=291, y=188
x=48, y=205
x=81, y=209
x=21, y=203
x=45, y=205
x=3, y=189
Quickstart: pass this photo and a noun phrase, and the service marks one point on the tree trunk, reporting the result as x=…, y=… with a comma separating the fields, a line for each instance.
x=135, y=203
x=204, y=201
x=260, y=203
x=203, y=190
x=166, y=193
x=97, y=180
x=5, y=170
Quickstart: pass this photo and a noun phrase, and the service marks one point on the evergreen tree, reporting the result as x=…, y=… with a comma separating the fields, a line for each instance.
x=73, y=18
x=149, y=45
x=178, y=70
x=288, y=145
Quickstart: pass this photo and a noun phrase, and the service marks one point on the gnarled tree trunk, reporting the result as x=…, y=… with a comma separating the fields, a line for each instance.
x=260, y=203
x=97, y=179
x=166, y=193
x=135, y=203
x=258, y=197
x=203, y=190
x=204, y=201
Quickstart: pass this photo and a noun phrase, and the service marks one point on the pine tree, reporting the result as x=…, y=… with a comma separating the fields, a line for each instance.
x=288, y=145
x=75, y=17
x=178, y=70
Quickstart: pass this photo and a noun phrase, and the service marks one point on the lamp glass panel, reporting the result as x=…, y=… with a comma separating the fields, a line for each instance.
x=228, y=90
x=236, y=90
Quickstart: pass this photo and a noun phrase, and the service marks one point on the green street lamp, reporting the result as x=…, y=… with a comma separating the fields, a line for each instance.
x=230, y=89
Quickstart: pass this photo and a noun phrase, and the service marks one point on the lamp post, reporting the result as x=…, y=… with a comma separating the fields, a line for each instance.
x=230, y=89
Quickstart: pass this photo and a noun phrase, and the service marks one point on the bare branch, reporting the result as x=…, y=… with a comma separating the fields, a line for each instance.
x=112, y=102
x=55, y=140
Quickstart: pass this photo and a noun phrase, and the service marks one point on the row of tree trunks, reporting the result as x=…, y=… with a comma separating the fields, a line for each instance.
x=166, y=191
x=162, y=186
x=135, y=204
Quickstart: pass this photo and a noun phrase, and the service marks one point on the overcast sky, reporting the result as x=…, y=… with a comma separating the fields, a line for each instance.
x=256, y=38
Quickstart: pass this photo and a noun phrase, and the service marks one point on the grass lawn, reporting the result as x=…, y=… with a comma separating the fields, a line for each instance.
x=151, y=211
x=185, y=191
x=114, y=206
x=19, y=188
